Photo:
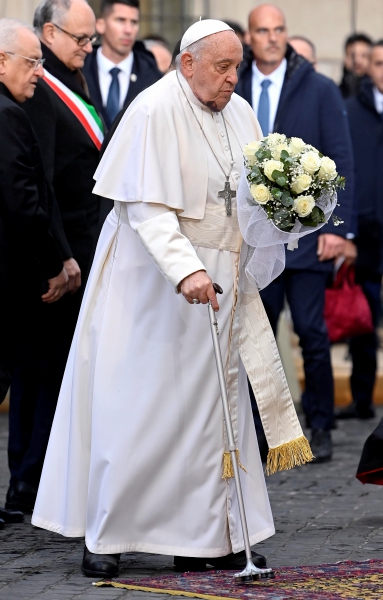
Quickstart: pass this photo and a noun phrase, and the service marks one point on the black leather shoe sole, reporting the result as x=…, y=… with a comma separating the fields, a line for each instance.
x=186, y=564
x=11, y=516
x=102, y=574
x=232, y=562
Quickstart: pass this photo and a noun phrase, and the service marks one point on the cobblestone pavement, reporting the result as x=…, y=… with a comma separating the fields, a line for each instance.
x=322, y=514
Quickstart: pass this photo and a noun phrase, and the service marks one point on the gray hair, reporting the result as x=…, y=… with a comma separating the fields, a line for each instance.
x=9, y=30
x=50, y=11
x=195, y=50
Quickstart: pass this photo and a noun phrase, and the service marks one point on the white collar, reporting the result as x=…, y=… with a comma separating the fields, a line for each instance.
x=276, y=77
x=105, y=65
x=378, y=99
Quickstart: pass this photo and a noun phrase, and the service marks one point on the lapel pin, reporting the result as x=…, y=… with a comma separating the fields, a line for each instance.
x=133, y=77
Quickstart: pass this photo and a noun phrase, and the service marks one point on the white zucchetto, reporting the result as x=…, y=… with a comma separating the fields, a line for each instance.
x=202, y=29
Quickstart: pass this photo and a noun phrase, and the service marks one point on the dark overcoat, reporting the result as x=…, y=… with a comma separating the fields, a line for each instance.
x=366, y=126
x=311, y=107
x=144, y=73
x=29, y=252
x=70, y=159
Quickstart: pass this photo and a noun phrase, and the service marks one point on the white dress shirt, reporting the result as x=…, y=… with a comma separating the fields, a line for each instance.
x=378, y=99
x=275, y=88
x=105, y=78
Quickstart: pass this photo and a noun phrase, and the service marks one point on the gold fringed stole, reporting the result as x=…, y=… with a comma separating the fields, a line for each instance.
x=260, y=357
x=289, y=455
x=228, y=471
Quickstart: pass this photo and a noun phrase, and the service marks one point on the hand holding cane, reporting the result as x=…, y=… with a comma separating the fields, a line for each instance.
x=251, y=572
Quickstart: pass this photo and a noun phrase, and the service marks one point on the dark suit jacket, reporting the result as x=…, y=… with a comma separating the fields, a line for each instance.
x=311, y=107
x=144, y=68
x=70, y=159
x=366, y=126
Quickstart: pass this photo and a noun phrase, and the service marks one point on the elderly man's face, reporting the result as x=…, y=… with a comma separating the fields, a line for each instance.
x=268, y=36
x=17, y=72
x=213, y=75
x=79, y=22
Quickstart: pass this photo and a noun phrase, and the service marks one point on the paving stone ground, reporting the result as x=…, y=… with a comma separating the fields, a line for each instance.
x=322, y=514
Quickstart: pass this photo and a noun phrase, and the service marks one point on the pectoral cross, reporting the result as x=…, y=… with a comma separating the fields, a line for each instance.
x=227, y=194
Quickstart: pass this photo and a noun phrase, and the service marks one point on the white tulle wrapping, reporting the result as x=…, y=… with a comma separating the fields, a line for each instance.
x=263, y=252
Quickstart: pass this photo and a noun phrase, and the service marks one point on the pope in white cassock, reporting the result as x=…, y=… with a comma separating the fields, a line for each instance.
x=135, y=458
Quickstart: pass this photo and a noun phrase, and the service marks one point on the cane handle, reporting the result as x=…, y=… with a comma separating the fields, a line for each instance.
x=217, y=288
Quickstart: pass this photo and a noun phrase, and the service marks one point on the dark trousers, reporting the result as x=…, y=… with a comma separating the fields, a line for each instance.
x=305, y=293
x=35, y=386
x=363, y=348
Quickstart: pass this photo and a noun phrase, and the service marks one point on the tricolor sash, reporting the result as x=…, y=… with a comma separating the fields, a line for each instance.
x=83, y=111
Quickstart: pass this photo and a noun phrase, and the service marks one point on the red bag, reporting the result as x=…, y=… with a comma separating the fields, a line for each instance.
x=347, y=312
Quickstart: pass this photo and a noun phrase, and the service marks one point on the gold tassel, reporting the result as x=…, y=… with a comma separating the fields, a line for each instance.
x=289, y=455
x=228, y=471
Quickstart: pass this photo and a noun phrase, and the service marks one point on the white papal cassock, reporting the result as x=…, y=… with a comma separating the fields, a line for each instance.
x=134, y=461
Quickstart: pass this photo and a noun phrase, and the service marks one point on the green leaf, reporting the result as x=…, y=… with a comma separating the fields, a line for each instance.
x=279, y=178
x=286, y=199
x=284, y=155
x=262, y=154
x=314, y=218
x=276, y=193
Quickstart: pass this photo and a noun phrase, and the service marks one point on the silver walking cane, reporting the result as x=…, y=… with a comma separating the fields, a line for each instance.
x=251, y=572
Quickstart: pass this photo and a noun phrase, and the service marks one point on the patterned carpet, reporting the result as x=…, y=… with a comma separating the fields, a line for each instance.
x=345, y=580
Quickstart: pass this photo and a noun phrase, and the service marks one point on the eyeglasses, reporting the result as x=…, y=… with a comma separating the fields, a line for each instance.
x=37, y=62
x=82, y=40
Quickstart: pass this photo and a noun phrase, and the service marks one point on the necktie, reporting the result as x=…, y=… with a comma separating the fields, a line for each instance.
x=113, y=101
x=264, y=107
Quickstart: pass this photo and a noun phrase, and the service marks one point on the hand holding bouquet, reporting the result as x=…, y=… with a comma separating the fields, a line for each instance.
x=291, y=180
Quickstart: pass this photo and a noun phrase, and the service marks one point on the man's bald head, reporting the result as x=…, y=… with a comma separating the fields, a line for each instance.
x=268, y=36
x=210, y=66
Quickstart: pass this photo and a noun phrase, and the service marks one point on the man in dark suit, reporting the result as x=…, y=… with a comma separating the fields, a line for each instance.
x=365, y=112
x=289, y=97
x=30, y=250
x=69, y=131
x=119, y=69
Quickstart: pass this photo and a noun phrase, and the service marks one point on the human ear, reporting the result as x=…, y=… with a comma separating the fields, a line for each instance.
x=100, y=26
x=187, y=64
x=48, y=33
x=3, y=58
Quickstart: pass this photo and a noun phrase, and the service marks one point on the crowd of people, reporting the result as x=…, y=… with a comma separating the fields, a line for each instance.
x=67, y=99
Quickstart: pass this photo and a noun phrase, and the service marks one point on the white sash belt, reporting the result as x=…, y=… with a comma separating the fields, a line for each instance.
x=216, y=230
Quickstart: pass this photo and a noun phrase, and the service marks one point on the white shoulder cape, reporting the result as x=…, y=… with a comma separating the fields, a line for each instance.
x=135, y=167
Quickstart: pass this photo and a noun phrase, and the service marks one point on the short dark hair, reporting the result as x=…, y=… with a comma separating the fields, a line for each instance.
x=302, y=38
x=378, y=43
x=357, y=37
x=237, y=28
x=107, y=5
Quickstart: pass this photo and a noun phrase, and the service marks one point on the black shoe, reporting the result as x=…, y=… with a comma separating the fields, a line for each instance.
x=11, y=516
x=352, y=411
x=2, y=523
x=100, y=565
x=21, y=496
x=321, y=445
x=232, y=562
x=185, y=564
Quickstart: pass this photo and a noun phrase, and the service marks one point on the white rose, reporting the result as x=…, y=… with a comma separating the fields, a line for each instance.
x=274, y=139
x=260, y=193
x=249, y=152
x=327, y=169
x=270, y=166
x=301, y=184
x=276, y=153
x=297, y=145
x=311, y=162
x=303, y=205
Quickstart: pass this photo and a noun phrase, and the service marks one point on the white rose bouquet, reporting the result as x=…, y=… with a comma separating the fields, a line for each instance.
x=291, y=180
